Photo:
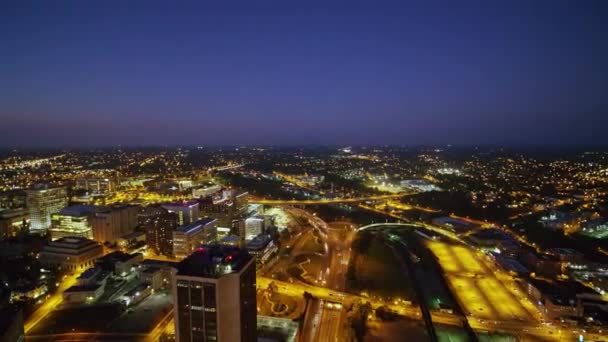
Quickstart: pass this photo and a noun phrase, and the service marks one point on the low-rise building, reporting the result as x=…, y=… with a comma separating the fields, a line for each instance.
x=557, y=299
x=70, y=253
x=80, y=294
x=137, y=294
x=152, y=276
x=120, y=263
x=25, y=291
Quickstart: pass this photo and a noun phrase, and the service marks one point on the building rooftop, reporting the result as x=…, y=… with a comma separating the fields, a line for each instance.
x=213, y=261
x=83, y=288
x=184, y=204
x=491, y=234
x=74, y=242
x=187, y=228
x=78, y=210
x=259, y=242
x=118, y=256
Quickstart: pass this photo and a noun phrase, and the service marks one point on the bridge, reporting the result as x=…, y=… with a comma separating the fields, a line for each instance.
x=326, y=200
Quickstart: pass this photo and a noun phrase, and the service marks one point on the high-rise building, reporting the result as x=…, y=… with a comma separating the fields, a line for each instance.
x=187, y=211
x=42, y=201
x=159, y=224
x=73, y=221
x=189, y=237
x=97, y=186
x=214, y=296
x=111, y=223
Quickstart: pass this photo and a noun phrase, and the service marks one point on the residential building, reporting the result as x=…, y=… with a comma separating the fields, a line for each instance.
x=159, y=224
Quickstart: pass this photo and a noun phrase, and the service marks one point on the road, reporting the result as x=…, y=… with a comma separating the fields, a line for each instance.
x=326, y=201
x=51, y=303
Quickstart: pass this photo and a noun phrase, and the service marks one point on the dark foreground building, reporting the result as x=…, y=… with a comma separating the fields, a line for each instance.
x=214, y=295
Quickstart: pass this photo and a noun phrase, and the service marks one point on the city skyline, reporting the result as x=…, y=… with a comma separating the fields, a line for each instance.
x=506, y=73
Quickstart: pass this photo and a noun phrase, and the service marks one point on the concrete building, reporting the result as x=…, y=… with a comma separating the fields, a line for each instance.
x=73, y=221
x=189, y=237
x=70, y=253
x=43, y=201
x=187, y=211
x=109, y=224
x=159, y=224
x=97, y=186
x=214, y=296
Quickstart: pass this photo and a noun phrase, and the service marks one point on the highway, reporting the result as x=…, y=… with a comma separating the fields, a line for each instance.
x=326, y=200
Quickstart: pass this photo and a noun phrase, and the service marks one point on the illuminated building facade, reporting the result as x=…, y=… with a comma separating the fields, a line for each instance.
x=73, y=221
x=43, y=201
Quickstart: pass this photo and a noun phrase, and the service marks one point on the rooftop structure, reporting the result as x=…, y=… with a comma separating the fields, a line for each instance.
x=213, y=261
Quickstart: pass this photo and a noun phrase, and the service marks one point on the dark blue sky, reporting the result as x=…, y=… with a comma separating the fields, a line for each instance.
x=89, y=73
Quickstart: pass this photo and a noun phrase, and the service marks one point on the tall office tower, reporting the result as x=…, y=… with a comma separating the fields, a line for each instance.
x=42, y=201
x=111, y=223
x=189, y=237
x=73, y=221
x=187, y=211
x=159, y=224
x=214, y=296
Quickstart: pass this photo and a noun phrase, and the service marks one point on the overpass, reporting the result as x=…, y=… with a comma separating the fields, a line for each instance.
x=326, y=200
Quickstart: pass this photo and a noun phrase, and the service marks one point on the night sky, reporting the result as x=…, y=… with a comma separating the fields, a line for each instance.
x=104, y=73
